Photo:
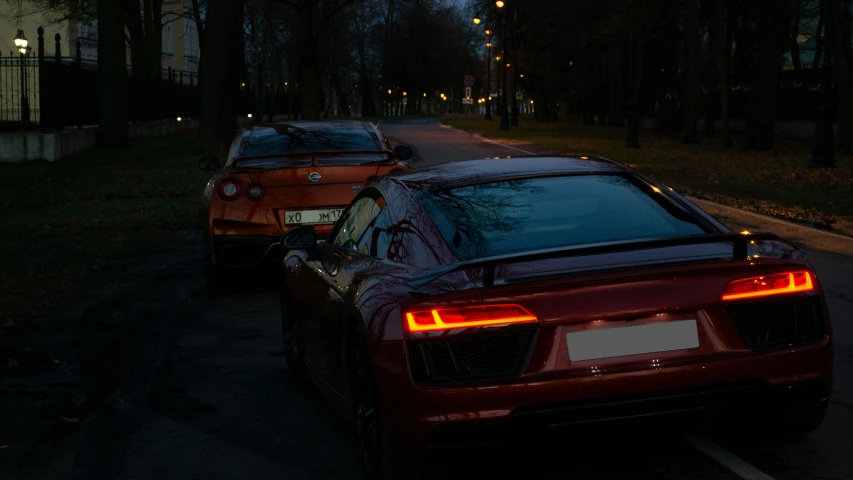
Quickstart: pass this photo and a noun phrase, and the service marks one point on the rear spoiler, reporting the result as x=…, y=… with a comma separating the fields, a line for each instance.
x=740, y=241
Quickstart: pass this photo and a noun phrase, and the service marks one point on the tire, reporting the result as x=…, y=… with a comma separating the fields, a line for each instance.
x=800, y=427
x=293, y=353
x=379, y=458
x=213, y=277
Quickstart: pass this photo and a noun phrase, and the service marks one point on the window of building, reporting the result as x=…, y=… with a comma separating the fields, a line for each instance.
x=168, y=47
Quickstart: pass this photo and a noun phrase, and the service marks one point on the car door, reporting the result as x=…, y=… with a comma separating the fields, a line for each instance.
x=330, y=271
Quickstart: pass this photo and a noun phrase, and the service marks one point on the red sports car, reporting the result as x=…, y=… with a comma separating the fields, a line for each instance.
x=490, y=300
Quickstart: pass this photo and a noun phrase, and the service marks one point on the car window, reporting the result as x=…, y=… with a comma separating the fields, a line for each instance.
x=290, y=139
x=350, y=228
x=550, y=212
x=376, y=238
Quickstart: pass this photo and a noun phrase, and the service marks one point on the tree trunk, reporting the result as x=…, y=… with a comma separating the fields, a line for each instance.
x=819, y=35
x=307, y=53
x=795, y=36
x=112, y=75
x=220, y=87
x=691, y=71
x=725, y=38
x=844, y=74
x=368, y=106
x=761, y=119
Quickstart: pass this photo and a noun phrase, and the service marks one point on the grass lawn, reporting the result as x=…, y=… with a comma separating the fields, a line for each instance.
x=69, y=223
x=777, y=182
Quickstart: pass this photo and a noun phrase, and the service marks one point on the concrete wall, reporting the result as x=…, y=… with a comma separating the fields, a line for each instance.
x=23, y=146
x=18, y=147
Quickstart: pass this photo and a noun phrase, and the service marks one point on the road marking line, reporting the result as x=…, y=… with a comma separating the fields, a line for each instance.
x=727, y=459
x=504, y=145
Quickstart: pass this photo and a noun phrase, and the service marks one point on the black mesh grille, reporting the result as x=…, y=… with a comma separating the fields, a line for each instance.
x=477, y=357
x=775, y=323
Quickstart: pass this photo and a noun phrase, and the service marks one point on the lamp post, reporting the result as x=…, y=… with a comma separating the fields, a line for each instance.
x=823, y=149
x=488, y=74
x=514, y=86
x=21, y=44
x=503, y=84
x=632, y=138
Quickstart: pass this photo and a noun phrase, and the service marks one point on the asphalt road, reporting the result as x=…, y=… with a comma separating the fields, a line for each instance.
x=202, y=391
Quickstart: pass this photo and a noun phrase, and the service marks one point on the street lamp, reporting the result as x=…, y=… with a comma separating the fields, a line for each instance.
x=477, y=20
x=504, y=125
x=823, y=149
x=632, y=138
x=489, y=73
x=22, y=44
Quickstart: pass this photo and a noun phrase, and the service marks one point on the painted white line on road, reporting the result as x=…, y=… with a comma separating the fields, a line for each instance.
x=504, y=145
x=727, y=459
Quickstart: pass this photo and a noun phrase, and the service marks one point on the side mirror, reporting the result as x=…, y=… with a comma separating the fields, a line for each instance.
x=403, y=152
x=209, y=163
x=302, y=238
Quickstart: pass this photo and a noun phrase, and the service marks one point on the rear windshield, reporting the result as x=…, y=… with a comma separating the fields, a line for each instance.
x=550, y=212
x=288, y=139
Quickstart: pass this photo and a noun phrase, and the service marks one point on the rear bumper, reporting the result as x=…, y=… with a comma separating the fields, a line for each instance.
x=785, y=383
x=676, y=410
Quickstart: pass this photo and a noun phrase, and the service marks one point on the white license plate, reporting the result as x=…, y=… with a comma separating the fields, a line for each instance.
x=623, y=341
x=325, y=216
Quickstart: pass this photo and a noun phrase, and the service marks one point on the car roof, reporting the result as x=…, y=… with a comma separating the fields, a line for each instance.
x=316, y=125
x=498, y=168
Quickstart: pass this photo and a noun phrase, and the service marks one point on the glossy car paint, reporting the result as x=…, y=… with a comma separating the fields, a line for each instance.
x=336, y=290
x=286, y=189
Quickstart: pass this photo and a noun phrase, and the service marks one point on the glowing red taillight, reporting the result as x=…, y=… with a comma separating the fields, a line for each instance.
x=466, y=317
x=255, y=191
x=773, y=284
x=229, y=189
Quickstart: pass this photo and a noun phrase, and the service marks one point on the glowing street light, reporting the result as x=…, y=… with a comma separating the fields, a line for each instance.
x=477, y=20
x=500, y=4
x=389, y=91
x=404, y=94
x=21, y=42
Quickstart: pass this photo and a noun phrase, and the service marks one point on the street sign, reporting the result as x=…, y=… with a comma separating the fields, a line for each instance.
x=467, y=91
x=468, y=101
x=469, y=81
x=519, y=96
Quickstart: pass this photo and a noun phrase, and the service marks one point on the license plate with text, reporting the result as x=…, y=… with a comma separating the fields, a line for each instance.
x=324, y=216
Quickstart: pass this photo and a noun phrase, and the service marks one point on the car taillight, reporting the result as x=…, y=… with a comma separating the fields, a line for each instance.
x=466, y=317
x=773, y=284
x=229, y=189
x=255, y=191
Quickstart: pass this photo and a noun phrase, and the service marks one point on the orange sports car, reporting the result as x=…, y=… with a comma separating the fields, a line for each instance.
x=284, y=175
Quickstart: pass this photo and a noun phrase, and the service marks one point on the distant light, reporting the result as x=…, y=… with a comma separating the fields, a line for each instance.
x=179, y=119
x=389, y=91
x=250, y=115
x=522, y=75
x=531, y=102
x=242, y=84
x=498, y=58
x=285, y=84
x=476, y=20
x=584, y=158
x=404, y=94
x=425, y=94
x=488, y=31
x=508, y=65
x=571, y=63
x=489, y=44
x=746, y=232
x=500, y=4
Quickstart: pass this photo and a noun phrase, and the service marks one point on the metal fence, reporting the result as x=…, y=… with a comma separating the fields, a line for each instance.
x=19, y=92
